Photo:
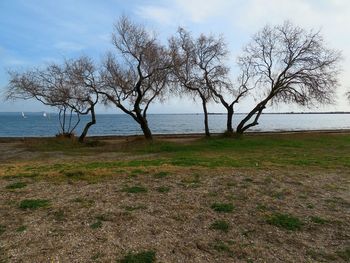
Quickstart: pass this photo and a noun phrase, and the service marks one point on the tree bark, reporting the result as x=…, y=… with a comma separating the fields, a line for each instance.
x=145, y=129
x=88, y=125
x=229, y=128
x=242, y=126
x=205, y=111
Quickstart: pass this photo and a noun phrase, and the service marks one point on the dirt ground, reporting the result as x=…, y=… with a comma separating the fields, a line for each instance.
x=170, y=210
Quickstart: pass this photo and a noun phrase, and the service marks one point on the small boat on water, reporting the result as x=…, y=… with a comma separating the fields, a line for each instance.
x=44, y=115
x=23, y=116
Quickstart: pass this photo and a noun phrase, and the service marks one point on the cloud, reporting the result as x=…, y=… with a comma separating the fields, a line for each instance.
x=159, y=14
x=198, y=10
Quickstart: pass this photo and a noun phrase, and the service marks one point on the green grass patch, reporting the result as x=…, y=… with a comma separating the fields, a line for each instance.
x=161, y=175
x=222, y=247
x=135, y=189
x=73, y=173
x=133, y=208
x=285, y=221
x=220, y=225
x=223, y=207
x=34, y=203
x=163, y=189
x=2, y=229
x=318, y=220
x=138, y=172
x=140, y=257
x=97, y=224
x=344, y=254
x=21, y=229
x=16, y=185
x=99, y=221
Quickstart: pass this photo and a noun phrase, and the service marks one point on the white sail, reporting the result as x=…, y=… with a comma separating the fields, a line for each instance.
x=44, y=114
x=23, y=116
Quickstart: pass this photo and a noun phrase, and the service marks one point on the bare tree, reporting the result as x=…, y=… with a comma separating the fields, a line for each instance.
x=186, y=55
x=71, y=88
x=139, y=75
x=200, y=70
x=288, y=64
x=84, y=83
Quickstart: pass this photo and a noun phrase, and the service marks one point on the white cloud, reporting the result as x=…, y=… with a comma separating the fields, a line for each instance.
x=239, y=19
x=161, y=15
x=199, y=11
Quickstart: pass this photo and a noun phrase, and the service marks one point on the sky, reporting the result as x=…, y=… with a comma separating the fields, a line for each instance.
x=37, y=32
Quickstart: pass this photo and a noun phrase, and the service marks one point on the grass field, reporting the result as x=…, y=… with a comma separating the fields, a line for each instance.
x=257, y=198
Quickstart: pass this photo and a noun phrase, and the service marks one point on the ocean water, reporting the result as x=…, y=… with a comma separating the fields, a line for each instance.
x=36, y=125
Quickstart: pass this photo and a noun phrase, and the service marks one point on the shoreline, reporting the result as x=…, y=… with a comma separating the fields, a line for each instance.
x=183, y=135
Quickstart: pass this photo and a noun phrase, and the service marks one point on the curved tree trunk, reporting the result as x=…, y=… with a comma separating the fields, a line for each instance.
x=145, y=129
x=205, y=111
x=243, y=126
x=88, y=125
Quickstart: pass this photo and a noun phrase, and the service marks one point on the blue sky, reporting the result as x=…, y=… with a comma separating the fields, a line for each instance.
x=36, y=32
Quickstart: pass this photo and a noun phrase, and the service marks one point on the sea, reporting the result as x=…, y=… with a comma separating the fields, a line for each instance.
x=41, y=124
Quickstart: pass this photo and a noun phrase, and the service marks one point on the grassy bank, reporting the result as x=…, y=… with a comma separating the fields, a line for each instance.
x=275, y=198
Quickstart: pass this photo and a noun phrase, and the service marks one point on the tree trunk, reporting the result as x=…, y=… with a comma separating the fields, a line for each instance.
x=229, y=128
x=205, y=111
x=146, y=130
x=242, y=126
x=88, y=125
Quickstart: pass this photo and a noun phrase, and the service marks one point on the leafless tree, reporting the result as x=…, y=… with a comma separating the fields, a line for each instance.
x=188, y=74
x=138, y=75
x=84, y=84
x=71, y=88
x=201, y=70
x=289, y=64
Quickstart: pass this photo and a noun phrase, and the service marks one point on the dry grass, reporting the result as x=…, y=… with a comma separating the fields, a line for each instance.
x=170, y=212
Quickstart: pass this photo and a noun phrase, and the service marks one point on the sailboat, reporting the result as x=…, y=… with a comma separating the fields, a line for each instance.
x=23, y=116
x=44, y=115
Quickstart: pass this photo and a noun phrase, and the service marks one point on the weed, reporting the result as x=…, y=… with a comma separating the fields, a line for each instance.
x=2, y=229
x=321, y=256
x=318, y=220
x=138, y=171
x=285, y=221
x=99, y=219
x=222, y=247
x=135, y=189
x=21, y=228
x=33, y=203
x=261, y=207
x=73, y=174
x=310, y=206
x=16, y=185
x=161, y=175
x=141, y=257
x=97, y=224
x=84, y=202
x=222, y=207
x=220, y=225
x=96, y=256
x=163, y=189
x=59, y=215
x=344, y=254
x=133, y=208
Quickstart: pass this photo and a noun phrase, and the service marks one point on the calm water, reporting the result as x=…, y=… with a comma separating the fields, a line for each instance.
x=35, y=124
